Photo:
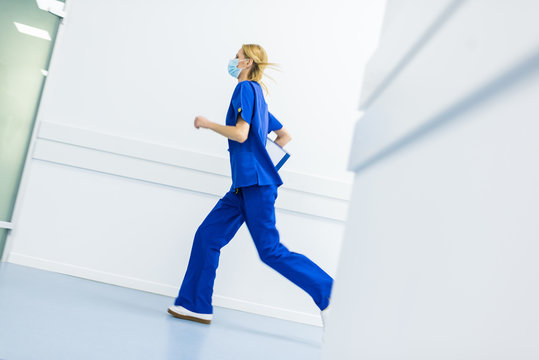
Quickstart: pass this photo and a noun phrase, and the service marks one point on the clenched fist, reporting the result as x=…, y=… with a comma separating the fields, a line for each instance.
x=201, y=122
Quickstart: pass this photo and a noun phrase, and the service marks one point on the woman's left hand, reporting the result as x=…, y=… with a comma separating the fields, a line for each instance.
x=201, y=122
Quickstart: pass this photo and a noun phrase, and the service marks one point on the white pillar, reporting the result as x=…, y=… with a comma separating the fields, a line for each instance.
x=440, y=256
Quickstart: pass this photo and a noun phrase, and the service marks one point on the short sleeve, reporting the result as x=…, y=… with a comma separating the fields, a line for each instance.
x=273, y=123
x=243, y=101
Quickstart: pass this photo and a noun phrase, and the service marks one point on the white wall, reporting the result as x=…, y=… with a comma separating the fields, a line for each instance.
x=439, y=259
x=119, y=179
x=145, y=72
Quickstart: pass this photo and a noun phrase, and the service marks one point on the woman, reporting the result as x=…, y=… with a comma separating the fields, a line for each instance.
x=251, y=198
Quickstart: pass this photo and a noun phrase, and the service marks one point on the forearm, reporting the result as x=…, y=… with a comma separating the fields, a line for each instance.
x=283, y=139
x=230, y=132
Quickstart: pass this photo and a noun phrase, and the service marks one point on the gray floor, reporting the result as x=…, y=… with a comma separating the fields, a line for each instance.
x=45, y=315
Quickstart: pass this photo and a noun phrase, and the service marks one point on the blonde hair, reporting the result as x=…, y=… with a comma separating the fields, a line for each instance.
x=260, y=62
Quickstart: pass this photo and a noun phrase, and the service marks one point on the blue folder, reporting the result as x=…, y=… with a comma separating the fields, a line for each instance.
x=277, y=154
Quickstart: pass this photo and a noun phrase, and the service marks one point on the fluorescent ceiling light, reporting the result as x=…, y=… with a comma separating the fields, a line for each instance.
x=43, y=4
x=53, y=6
x=33, y=31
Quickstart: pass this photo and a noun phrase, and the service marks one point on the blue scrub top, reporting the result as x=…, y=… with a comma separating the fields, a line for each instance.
x=249, y=161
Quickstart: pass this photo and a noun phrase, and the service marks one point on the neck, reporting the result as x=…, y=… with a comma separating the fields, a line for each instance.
x=243, y=76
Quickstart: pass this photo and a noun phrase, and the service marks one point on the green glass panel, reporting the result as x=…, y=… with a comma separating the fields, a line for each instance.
x=24, y=61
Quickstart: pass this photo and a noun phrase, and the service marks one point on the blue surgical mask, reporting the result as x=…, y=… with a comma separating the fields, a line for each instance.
x=233, y=69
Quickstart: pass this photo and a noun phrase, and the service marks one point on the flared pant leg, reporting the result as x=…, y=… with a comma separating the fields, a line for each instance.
x=215, y=232
x=259, y=212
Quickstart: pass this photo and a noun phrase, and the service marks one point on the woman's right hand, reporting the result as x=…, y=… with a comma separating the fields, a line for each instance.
x=201, y=122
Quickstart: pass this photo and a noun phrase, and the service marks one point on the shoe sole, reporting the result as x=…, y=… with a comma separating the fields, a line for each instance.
x=186, y=317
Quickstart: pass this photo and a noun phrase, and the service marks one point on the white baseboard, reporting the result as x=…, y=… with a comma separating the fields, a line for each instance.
x=266, y=310
x=159, y=288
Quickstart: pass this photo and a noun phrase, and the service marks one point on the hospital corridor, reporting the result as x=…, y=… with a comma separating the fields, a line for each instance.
x=259, y=180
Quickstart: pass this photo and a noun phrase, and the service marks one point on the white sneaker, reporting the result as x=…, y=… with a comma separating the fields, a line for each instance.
x=183, y=313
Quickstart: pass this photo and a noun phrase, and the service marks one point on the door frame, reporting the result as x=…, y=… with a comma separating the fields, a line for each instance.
x=10, y=226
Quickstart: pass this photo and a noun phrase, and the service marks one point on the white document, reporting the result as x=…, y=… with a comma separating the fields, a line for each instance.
x=277, y=154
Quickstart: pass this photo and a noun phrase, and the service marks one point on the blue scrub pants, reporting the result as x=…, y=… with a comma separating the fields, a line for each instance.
x=256, y=206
